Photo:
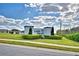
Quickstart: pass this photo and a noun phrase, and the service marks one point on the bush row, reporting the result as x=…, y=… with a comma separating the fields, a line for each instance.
x=74, y=36
x=53, y=37
x=41, y=37
x=31, y=36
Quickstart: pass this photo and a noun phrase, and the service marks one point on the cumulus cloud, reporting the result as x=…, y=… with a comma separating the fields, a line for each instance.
x=64, y=6
x=33, y=5
x=42, y=21
x=48, y=7
x=10, y=23
x=55, y=7
x=26, y=5
x=65, y=9
x=38, y=6
x=2, y=19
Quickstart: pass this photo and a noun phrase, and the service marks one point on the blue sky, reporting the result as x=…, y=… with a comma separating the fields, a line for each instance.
x=19, y=11
x=16, y=11
x=49, y=12
x=23, y=11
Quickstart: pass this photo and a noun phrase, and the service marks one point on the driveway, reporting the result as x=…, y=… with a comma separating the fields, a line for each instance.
x=16, y=50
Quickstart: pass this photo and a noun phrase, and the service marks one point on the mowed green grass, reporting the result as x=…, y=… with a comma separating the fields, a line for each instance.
x=10, y=36
x=40, y=45
x=63, y=41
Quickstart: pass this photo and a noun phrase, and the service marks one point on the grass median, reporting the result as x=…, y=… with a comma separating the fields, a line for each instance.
x=64, y=41
x=36, y=38
x=40, y=45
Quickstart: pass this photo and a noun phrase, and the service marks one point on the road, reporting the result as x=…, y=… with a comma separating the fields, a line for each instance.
x=16, y=50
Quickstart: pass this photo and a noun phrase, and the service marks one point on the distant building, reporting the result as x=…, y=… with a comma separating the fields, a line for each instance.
x=38, y=30
x=47, y=30
x=16, y=30
x=26, y=29
x=10, y=29
x=4, y=29
x=44, y=31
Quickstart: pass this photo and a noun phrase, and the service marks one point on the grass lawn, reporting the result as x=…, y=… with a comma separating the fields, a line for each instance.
x=64, y=41
x=10, y=36
x=40, y=45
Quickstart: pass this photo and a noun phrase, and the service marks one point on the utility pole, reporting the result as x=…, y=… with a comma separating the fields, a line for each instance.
x=60, y=26
x=61, y=18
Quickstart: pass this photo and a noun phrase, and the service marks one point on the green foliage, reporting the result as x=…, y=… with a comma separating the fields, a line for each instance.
x=31, y=36
x=41, y=37
x=53, y=37
x=10, y=36
x=19, y=36
x=52, y=31
x=74, y=36
x=30, y=31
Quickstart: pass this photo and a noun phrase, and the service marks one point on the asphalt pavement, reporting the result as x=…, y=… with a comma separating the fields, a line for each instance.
x=17, y=50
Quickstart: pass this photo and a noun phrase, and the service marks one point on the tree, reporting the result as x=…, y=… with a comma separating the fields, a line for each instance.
x=30, y=30
x=52, y=31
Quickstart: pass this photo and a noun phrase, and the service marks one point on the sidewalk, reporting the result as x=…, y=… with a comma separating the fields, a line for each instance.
x=41, y=43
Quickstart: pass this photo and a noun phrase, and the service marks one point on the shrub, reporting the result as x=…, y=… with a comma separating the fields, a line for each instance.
x=52, y=31
x=74, y=36
x=52, y=37
x=31, y=36
x=41, y=37
x=30, y=31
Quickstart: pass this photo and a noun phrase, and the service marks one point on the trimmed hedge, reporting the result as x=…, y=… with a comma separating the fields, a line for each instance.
x=37, y=36
x=31, y=36
x=74, y=37
x=41, y=37
x=53, y=37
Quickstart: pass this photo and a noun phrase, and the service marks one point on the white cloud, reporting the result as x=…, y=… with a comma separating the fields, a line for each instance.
x=65, y=9
x=2, y=19
x=40, y=21
x=33, y=5
x=9, y=23
x=26, y=5
x=38, y=6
